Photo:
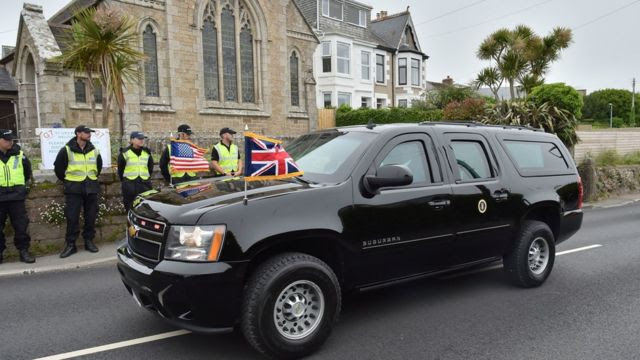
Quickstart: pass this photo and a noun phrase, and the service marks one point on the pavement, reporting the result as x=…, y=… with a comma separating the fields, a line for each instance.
x=107, y=252
x=588, y=309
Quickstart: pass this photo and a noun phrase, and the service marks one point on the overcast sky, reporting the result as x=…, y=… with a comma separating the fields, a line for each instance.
x=605, y=52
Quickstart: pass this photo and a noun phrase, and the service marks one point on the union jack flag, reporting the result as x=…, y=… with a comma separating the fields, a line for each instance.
x=186, y=156
x=266, y=159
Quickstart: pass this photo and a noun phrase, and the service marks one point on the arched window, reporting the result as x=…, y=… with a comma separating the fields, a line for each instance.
x=294, y=78
x=231, y=45
x=30, y=70
x=150, y=50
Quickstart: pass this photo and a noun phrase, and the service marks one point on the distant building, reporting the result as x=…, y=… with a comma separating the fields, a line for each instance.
x=364, y=62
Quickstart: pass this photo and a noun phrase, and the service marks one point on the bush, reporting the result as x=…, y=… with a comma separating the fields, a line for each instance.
x=559, y=95
x=612, y=158
x=469, y=109
x=596, y=104
x=617, y=122
x=362, y=116
x=441, y=97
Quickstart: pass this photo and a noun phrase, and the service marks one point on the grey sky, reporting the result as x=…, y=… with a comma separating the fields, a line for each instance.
x=605, y=53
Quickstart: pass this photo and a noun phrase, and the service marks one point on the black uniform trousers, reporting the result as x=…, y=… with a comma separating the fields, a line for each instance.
x=131, y=189
x=73, y=204
x=19, y=220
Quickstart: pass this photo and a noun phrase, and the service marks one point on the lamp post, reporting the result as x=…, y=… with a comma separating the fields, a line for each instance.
x=610, y=115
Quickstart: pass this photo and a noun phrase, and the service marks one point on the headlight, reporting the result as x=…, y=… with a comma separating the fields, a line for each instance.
x=195, y=243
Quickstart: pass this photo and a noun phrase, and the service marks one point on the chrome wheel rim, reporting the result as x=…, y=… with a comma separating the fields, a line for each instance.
x=298, y=309
x=538, y=255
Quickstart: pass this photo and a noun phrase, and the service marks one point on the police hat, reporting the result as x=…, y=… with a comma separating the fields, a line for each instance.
x=7, y=134
x=137, y=135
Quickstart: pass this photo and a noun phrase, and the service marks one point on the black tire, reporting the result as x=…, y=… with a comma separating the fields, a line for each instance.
x=267, y=283
x=516, y=263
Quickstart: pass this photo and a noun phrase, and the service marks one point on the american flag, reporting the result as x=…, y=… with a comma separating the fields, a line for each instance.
x=266, y=159
x=186, y=156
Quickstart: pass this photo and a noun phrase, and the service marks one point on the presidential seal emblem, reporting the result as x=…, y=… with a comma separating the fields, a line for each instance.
x=482, y=206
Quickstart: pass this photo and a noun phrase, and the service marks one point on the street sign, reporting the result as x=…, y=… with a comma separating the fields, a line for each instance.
x=53, y=139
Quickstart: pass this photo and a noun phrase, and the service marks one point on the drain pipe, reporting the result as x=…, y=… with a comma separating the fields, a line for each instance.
x=37, y=100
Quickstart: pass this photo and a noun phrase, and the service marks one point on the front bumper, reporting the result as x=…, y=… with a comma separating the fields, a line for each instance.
x=200, y=297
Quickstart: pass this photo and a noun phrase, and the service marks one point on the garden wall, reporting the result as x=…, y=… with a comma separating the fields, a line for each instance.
x=593, y=142
x=601, y=182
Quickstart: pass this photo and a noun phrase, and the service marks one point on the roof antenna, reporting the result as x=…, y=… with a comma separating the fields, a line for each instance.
x=370, y=124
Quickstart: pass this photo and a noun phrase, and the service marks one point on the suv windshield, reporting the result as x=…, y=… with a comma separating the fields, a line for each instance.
x=329, y=156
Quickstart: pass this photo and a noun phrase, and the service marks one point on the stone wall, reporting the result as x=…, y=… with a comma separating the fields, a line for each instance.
x=601, y=182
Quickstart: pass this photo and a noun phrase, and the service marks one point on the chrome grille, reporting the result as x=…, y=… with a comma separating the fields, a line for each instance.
x=146, y=238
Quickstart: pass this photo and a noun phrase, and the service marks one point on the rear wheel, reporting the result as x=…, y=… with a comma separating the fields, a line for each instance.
x=290, y=305
x=531, y=258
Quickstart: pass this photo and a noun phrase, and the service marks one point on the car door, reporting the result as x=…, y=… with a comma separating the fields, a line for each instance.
x=481, y=200
x=403, y=230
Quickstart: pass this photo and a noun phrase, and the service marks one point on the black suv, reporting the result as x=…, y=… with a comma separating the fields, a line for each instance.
x=376, y=205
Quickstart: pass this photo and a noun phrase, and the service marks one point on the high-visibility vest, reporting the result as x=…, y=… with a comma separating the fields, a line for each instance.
x=137, y=166
x=228, y=157
x=82, y=166
x=178, y=174
x=12, y=171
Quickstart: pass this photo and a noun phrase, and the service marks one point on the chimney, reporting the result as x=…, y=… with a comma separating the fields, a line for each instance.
x=381, y=15
x=448, y=81
x=32, y=7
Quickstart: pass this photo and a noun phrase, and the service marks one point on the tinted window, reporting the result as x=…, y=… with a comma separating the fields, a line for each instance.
x=471, y=159
x=529, y=155
x=410, y=154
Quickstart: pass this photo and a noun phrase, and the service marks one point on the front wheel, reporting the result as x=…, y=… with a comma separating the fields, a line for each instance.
x=532, y=255
x=290, y=306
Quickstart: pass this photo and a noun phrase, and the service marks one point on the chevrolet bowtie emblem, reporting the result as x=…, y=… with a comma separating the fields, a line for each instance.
x=133, y=231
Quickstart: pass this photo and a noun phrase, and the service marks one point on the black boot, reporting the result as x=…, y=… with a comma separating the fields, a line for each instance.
x=90, y=246
x=25, y=257
x=69, y=250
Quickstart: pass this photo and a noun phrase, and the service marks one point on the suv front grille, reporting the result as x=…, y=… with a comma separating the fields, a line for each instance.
x=145, y=237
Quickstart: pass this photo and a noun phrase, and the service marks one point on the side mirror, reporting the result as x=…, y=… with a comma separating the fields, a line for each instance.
x=387, y=176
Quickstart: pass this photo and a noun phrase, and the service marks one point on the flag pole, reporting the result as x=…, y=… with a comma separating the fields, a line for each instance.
x=245, y=201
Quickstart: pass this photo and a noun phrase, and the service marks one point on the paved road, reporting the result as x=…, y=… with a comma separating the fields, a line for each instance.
x=588, y=309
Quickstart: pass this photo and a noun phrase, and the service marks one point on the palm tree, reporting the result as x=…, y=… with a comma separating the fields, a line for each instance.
x=489, y=77
x=104, y=41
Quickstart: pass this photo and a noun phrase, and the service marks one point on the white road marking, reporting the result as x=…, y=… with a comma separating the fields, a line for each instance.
x=171, y=334
x=117, y=345
x=499, y=266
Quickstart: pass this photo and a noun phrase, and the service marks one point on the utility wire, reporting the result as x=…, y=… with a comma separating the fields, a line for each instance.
x=450, y=12
x=605, y=15
x=491, y=20
x=6, y=31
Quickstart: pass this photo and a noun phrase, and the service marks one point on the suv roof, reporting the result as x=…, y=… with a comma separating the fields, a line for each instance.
x=469, y=124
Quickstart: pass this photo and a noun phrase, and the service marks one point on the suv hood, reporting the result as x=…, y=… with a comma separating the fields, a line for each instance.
x=185, y=203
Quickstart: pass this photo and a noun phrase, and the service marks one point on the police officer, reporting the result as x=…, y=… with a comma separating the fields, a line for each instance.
x=16, y=172
x=135, y=166
x=78, y=165
x=176, y=177
x=225, y=157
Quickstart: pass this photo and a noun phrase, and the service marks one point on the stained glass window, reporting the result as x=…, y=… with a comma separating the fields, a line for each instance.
x=246, y=59
x=151, y=62
x=228, y=28
x=80, y=90
x=97, y=91
x=210, y=54
x=293, y=69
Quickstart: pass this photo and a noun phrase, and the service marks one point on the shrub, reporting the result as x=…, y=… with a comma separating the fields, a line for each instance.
x=469, y=109
x=441, y=97
x=612, y=158
x=596, y=104
x=559, y=95
x=386, y=116
x=617, y=122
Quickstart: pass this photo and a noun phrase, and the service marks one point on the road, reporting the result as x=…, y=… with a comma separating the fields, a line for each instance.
x=588, y=309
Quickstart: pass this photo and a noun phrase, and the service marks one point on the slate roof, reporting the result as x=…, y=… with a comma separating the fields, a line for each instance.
x=391, y=28
x=66, y=13
x=59, y=35
x=6, y=81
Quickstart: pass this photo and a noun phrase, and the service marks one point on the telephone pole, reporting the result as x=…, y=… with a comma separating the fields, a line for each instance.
x=633, y=102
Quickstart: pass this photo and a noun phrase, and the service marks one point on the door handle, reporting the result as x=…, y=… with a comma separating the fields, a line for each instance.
x=501, y=195
x=439, y=204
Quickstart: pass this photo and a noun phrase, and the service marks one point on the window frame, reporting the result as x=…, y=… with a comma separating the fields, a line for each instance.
x=487, y=149
x=324, y=56
x=362, y=18
x=502, y=138
x=366, y=100
x=344, y=93
x=402, y=68
x=431, y=160
x=328, y=13
x=413, y=61
x=383, y=66
x=324, y=99
x=380, y=103
x=403, y=103
x=346, y=60
x=367, y=65
x=75, y=93
x=294, y=55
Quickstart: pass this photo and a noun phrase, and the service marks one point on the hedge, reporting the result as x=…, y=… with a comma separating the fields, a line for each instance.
x=346, y=116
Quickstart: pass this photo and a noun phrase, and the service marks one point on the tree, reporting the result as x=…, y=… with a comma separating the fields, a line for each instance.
x=489, y=77
x=104, y=41
x=519, y=56
x=559, y=95
x=596, y=104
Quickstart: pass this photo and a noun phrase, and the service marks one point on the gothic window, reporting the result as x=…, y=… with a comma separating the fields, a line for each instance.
x=80, y=90
x=228, y=39
x=151, y=62
x=294, y=77
x=97, y=91
x=210, y=54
